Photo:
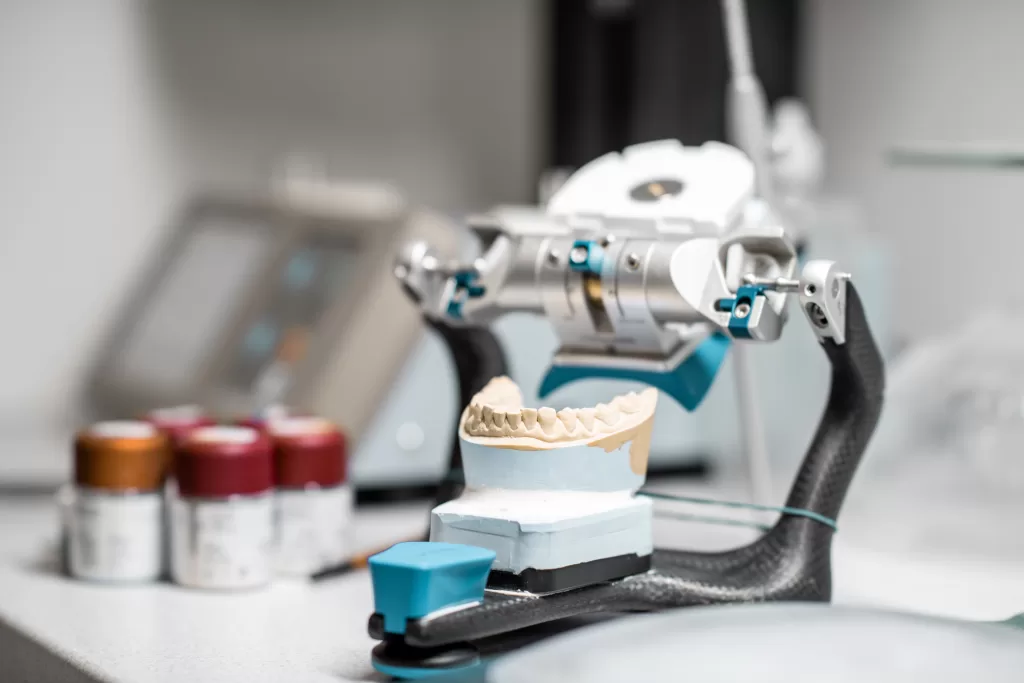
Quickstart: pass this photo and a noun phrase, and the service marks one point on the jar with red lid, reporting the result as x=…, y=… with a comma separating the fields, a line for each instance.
x=314, y=499
x=177, y=422
x=222, y=514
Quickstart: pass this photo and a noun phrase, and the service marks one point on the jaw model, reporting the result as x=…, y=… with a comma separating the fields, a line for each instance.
x=551, y=492
x=496, y=419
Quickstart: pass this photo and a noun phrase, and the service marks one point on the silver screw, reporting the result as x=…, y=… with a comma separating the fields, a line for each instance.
x=742, y=311
x=835, y=288
x=578, y=255
x=779, y=284
x=553, y=256
x=633, y=261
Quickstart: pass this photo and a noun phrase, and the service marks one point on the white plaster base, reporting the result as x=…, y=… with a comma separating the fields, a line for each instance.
x=546, y=529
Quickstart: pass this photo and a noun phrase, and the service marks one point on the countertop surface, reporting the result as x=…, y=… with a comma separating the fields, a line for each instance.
x=316, y=632
x=295, y=631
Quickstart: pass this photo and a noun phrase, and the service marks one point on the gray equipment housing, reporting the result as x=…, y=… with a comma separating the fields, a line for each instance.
x=284, y=299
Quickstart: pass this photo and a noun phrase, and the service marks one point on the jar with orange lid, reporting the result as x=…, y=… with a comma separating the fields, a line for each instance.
x=115, y=517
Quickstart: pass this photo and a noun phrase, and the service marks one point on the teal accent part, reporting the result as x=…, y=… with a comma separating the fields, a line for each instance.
x=464, y=282
x=260, y=339
x=415, y=674
x=739, y=328
x=1015, y=622
x=454, y=309
x=594, y=261
x=411, y=580
x=687, y=384
x=467, y=281
x=301, y=270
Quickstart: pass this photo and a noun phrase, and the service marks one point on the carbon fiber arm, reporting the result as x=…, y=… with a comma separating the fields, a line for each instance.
x=478, y=358
x=790, y=562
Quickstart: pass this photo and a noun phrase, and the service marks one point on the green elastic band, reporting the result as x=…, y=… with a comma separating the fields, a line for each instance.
x=795, y=512
x=707, y=519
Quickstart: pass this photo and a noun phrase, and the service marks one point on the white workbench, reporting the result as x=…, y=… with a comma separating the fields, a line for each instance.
x=316, y=633
x=292, y=631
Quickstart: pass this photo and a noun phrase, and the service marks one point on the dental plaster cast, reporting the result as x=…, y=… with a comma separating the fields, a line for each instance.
x=549, y=490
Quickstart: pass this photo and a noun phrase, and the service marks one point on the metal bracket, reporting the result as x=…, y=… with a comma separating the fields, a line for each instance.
x=823, y=299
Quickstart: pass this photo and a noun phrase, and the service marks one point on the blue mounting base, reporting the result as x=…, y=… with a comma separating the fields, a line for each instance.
x=414, y=674
x=687, y=384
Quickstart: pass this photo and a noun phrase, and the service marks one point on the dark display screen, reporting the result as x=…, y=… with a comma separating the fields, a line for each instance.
x=312, y=278
x=197, y=296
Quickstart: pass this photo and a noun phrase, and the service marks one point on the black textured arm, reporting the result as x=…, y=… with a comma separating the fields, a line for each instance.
x=478, y=358
x=790, y=562
x=850, y=417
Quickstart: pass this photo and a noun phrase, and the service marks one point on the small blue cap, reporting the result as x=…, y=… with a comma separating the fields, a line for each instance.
x=411, y=580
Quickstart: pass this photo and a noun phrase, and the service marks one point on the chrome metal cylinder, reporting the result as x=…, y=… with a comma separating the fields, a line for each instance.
x=664, y=300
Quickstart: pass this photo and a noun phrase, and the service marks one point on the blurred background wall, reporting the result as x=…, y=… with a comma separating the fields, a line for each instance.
x=88, y=175
x=110, y=111
x=879, y=72
x=113, y=110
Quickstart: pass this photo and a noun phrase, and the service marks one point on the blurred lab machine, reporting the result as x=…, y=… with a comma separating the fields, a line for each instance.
x=283, y=300
x=285, y=295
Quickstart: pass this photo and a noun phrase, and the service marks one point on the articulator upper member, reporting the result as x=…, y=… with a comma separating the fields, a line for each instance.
x=649, y=264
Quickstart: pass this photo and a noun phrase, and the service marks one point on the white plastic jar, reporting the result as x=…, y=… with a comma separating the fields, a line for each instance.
x=314, y=500
x=114, y=515
x=222, y=513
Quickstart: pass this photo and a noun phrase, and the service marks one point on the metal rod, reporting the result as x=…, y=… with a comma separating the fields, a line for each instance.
x=779, y=284
x=738, y=38
x=752, y=436
x=747, y=118
x=746, y=108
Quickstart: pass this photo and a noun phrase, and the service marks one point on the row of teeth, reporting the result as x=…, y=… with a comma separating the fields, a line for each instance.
x=496, y=413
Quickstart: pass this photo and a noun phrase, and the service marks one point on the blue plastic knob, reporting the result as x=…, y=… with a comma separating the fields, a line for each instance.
x=411, y=580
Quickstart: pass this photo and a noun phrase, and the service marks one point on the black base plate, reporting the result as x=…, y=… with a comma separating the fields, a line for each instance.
x=573, y=576
x=395, y=653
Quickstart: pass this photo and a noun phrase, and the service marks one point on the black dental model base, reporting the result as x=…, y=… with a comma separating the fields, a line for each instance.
x=791, y=562
x=541, y=581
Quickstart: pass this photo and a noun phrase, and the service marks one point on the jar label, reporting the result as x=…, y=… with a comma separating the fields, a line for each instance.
x=222, y=544
x=115, y=538
x=313, y=529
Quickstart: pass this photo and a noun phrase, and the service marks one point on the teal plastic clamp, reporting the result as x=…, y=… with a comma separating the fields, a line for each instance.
x=411, y=580
x=687, y=384
x=739, y=327
x=465, y=282
x=594, y=261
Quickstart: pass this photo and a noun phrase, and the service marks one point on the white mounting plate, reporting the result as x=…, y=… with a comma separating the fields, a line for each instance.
x=317, y=633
